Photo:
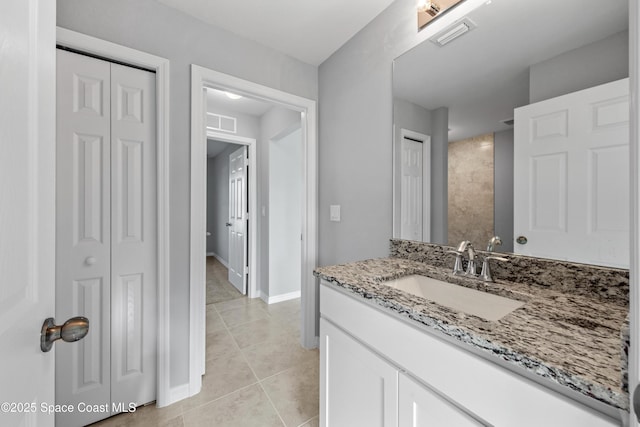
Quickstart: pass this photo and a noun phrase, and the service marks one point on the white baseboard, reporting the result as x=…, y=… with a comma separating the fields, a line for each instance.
x=283, y=297
x=219, y=258
x=178, y=393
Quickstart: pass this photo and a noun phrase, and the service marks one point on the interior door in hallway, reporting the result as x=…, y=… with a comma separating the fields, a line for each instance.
x=238, y=219
x=106, y=235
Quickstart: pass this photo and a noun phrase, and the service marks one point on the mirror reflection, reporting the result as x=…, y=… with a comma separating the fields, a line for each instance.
x=514, y=122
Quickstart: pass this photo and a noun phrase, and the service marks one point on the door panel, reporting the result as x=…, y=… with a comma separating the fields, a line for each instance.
x=83, y=240
x=571, y=176
x=27, y=206
x=133, y=232
x=411, y=170
x=106, y=243
x=237, y=210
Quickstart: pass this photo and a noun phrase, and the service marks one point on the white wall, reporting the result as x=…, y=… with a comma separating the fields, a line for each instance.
x=285, y=214
x=218, y=202
x=151, y=27
x=597, y=63
x=273, y=123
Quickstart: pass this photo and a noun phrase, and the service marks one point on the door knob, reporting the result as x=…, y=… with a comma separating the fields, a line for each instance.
x=73, y=330
x=90, y=260
x=228, y=224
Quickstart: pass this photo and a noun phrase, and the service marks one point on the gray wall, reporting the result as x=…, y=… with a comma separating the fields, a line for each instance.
x=274, y=123
x=285, y=214
x=597, y=63
x=409, y=116
x=503, y=188
x=355, y=128
x=218, y=202
x=151, y=27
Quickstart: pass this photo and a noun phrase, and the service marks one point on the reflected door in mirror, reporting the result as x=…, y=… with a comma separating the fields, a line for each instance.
x=571, y=176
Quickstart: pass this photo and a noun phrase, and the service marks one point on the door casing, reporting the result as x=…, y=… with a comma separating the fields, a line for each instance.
x=115, y=52
x=202, y=78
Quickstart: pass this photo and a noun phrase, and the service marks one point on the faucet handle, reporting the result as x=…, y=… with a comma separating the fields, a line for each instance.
x=486, y=268
x=498, y=258
x=457, y=266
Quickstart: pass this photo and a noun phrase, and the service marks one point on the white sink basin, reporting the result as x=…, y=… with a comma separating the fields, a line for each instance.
x=482, y=304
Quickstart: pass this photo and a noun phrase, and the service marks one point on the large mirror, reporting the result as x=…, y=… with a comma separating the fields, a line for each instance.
x=514, y=122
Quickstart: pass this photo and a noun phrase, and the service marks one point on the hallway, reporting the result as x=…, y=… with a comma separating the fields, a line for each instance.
x=257, y=372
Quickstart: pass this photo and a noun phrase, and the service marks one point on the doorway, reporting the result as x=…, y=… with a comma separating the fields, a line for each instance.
x=227, y=223
x=202, y=79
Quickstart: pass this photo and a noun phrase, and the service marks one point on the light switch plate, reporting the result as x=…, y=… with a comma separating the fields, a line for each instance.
x=334, y=213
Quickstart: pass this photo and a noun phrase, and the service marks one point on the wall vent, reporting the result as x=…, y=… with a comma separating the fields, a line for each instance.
x=453, y=31
x=221, y=123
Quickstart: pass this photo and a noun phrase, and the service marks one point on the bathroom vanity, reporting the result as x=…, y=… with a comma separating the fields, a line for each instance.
x=392, y=358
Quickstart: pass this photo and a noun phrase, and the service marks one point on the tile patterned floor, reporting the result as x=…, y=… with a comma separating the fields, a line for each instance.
x=257, y=372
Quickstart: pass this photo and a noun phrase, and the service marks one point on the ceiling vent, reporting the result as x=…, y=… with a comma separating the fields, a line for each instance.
x=453, y=31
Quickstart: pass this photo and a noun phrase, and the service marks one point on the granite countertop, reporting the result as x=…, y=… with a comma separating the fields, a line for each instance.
x=573, y=340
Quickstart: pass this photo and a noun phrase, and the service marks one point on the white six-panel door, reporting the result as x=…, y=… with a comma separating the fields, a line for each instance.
x=411, y=189
x=27, y=205
x=571, y=176
x=106, y=234
x=237, y=219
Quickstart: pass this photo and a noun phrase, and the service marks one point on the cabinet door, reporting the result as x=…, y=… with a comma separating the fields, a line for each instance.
x=357, y=387
x=419, y=406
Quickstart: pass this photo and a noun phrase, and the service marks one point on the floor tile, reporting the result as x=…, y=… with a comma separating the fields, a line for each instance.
x=214, y=321
x=244, y=314
x=314, y=422
x=238, y=302
x=248, y=407
x=258, y=331
x=295, y=392
x=219, y=343
x=224, y=374
x=274, y=356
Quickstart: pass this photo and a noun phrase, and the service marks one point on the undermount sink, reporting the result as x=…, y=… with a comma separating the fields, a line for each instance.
x=470, y=301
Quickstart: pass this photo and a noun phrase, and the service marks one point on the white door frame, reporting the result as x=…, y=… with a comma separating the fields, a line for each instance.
x=252, y=286
x=396, y=213
x=202, y=78
x=111, y=51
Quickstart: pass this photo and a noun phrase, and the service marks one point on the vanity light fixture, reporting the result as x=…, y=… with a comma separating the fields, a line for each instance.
x=430, y=10
x=232, y=95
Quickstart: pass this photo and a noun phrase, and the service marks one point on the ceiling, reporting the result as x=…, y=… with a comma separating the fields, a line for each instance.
x=483, y=75
x=309, y=30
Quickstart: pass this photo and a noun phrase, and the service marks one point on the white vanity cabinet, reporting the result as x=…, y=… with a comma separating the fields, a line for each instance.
x=360, y=388
x=420, y=406
x=379, y=370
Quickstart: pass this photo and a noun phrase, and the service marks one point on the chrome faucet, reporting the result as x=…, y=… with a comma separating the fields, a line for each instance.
x=495, y=241
x=465, y=246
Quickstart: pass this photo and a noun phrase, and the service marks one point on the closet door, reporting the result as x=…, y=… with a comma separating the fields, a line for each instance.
x=83, y=235
x=133, y=235
x=106, y=236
